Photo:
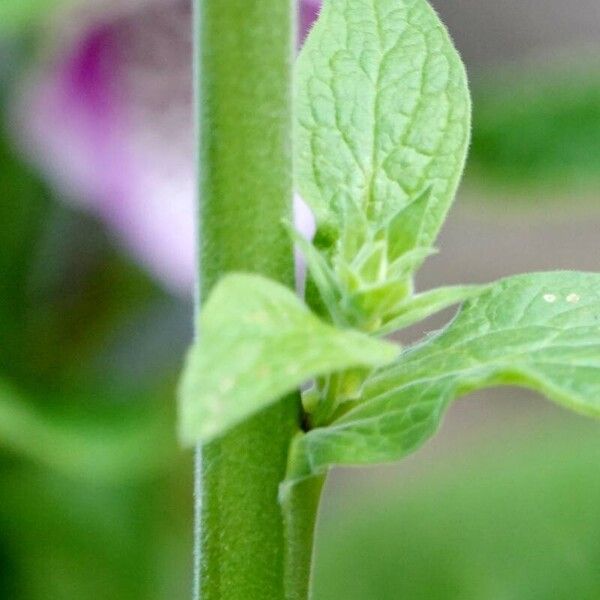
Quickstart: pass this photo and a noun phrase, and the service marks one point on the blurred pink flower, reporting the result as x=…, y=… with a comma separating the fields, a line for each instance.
x=108, y=117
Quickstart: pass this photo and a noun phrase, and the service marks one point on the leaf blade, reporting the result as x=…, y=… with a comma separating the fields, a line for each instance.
x=259, y=342
x=383, y=111
x=428, y=303
x=540, y=331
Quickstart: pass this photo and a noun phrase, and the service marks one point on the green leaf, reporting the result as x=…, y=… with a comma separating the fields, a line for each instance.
x=540, y=331
x=322, y=275
x=424, y=305
x=382, y=113
x=405, y=229
x=259, y=342
x=406, y=264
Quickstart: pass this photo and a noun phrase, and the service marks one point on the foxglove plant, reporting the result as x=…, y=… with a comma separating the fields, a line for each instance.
x=381, y=120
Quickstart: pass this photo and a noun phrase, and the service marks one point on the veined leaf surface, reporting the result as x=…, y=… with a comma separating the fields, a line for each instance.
x=258, y=341
x=540, y=331
x=382, y=112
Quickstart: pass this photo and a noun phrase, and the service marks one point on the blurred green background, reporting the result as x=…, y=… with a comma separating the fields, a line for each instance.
x=95, y=494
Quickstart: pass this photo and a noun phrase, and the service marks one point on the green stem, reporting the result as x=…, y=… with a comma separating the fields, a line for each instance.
x=300, y=507
x=244, y=52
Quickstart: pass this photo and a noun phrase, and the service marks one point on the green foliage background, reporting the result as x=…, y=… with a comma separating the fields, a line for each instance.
x=94, y=492
x=536, y=132
x=516, y=519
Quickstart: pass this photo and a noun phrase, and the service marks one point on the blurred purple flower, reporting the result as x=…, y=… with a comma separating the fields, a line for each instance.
x=107, y=116
x=309, y=11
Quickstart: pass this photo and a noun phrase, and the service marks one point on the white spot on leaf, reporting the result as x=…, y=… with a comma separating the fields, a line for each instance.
x=214, y=406
x=226, y=385
x=550, y=298
x=573, y=298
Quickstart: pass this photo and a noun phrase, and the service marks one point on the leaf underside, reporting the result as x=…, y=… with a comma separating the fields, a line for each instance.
x=259, y=342
x=540, y=331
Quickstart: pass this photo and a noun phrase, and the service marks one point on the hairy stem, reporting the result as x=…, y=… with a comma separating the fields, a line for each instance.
x=244, y=51
x=300, y=506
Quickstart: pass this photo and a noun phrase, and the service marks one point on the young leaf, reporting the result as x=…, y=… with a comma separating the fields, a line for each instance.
x=428, y=303
x=405, y=229
x=322, y=276
x=540, y=331
x=382, y=113
x=259, y=342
